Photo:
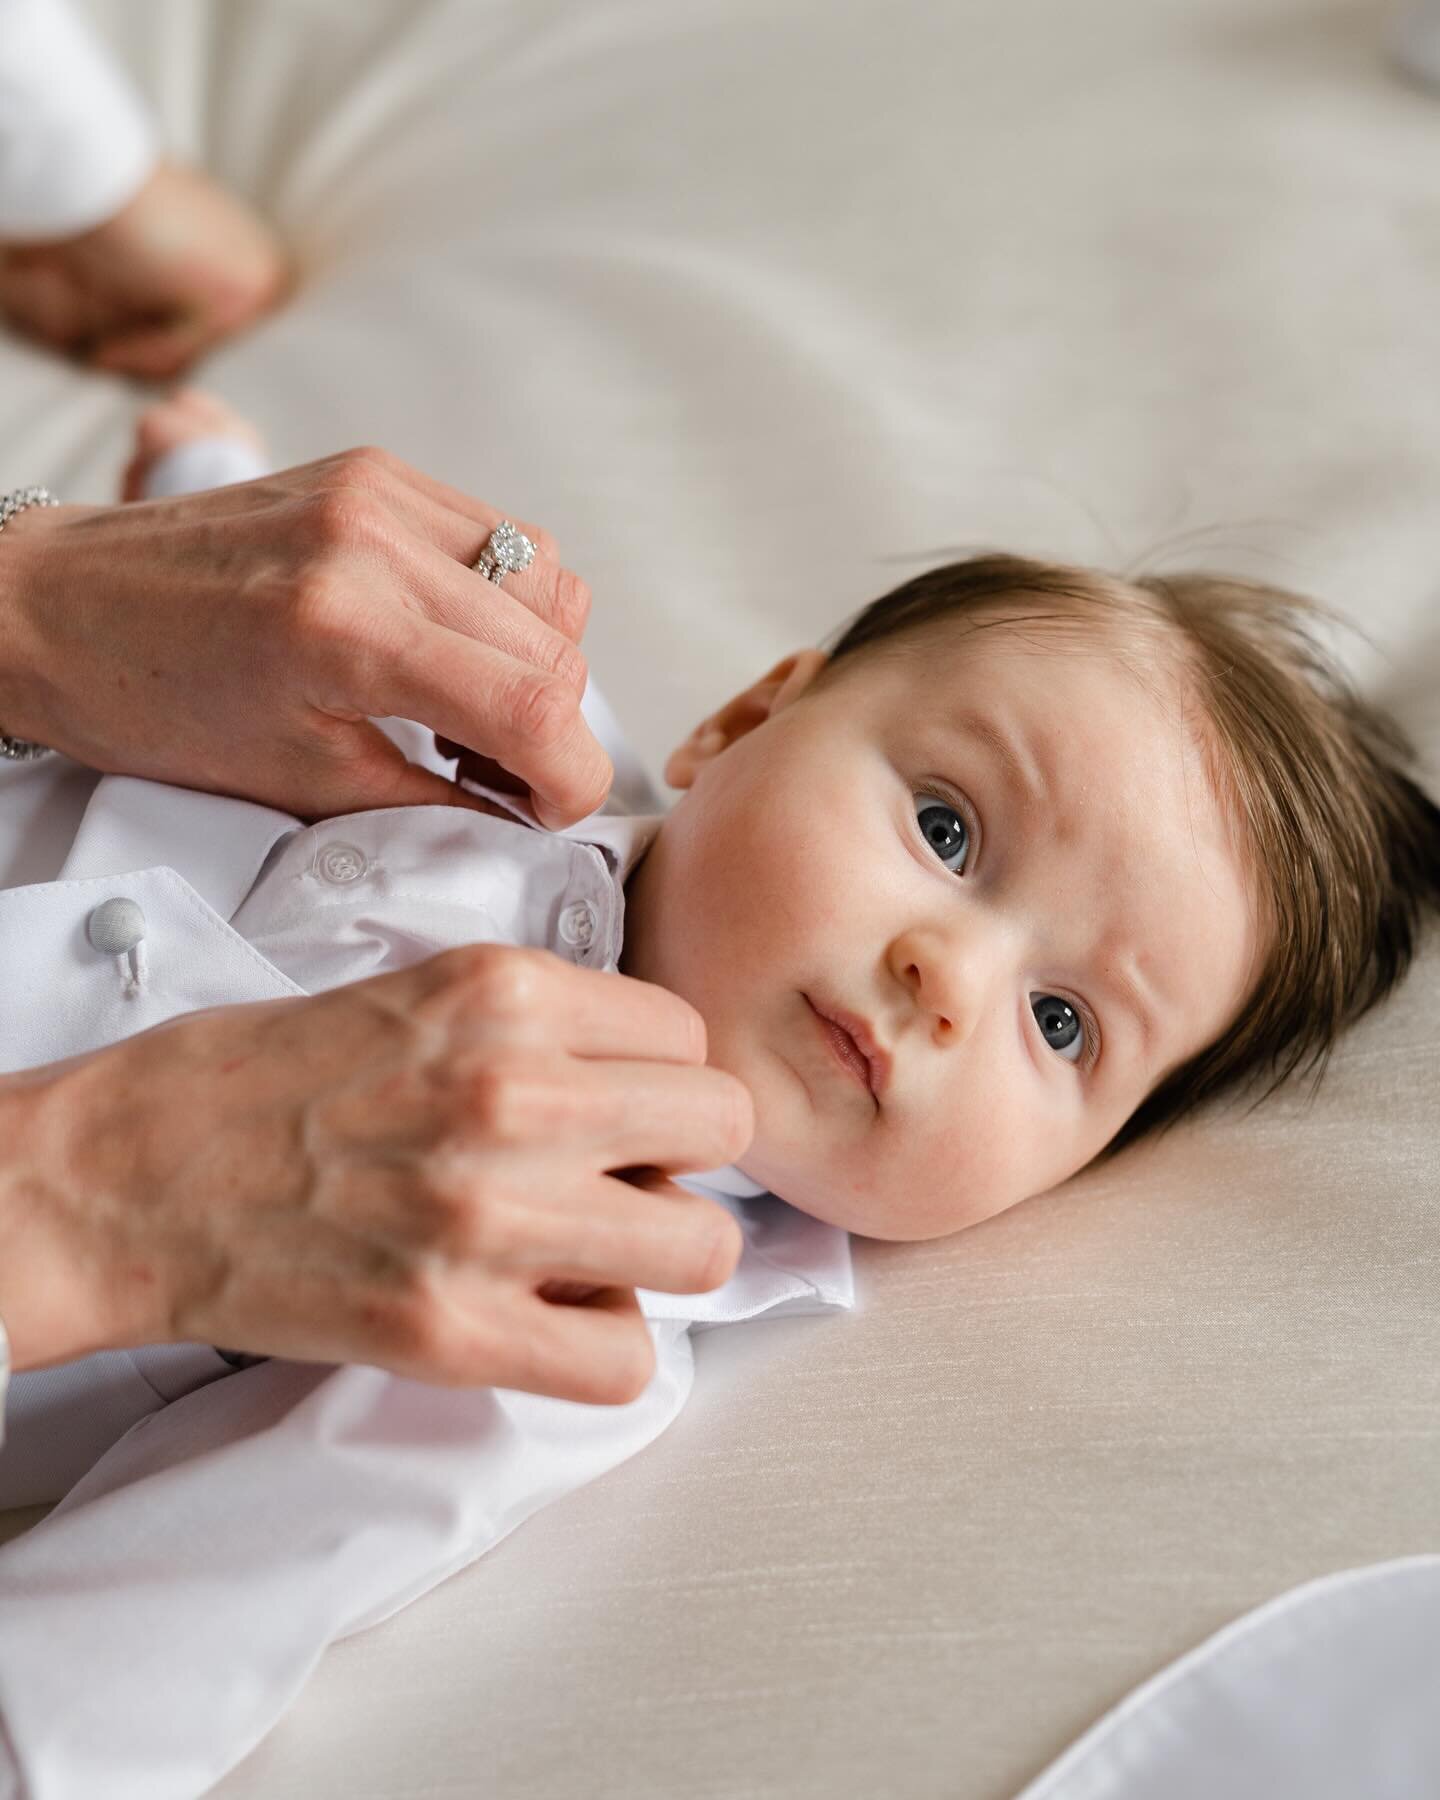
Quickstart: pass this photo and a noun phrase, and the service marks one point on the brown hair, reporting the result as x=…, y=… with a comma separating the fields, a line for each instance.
x=1345, y=847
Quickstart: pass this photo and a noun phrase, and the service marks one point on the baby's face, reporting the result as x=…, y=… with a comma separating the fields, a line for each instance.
x=863, y=849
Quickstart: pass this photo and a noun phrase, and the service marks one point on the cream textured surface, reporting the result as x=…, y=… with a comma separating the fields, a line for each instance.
x=759, y=308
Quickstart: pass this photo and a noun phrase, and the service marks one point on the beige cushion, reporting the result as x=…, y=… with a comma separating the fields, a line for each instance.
x=759, y=309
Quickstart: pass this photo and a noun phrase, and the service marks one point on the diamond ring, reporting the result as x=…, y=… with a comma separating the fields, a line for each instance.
x=507, y=551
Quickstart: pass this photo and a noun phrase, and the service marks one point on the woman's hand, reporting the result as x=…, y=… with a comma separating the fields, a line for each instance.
x=241, y=640
x=181, y=266
x=418, y=1171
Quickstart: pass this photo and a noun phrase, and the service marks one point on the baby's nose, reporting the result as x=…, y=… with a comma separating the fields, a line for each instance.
x=946, y=980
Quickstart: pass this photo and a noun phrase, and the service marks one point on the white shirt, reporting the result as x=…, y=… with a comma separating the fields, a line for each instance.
x=211, y=1543
x=76, y=142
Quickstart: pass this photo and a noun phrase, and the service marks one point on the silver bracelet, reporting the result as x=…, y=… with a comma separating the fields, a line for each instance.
x=21, y=749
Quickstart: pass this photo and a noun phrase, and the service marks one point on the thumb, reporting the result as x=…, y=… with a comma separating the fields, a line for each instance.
x=156, y=351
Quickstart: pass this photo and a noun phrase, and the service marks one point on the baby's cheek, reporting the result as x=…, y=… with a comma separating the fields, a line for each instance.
x=966, y=1162
x=759, y=890
x=802, y=862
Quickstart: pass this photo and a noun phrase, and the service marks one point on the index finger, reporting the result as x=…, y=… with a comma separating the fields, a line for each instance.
x=612, y=1015
x=524, y=719
x=596, y=1014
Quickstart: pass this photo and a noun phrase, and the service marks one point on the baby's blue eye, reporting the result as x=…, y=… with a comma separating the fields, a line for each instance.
x=1059, y=1025
x=943, y=830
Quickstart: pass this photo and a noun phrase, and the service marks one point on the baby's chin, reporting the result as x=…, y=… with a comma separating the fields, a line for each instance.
x=798, y=1181
x=891, y=1212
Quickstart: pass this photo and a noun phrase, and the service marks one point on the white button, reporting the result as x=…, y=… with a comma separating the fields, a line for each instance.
x=116, y=927
x=341, y=863
x=577, y=924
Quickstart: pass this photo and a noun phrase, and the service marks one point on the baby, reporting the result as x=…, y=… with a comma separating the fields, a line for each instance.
x=1030, y=864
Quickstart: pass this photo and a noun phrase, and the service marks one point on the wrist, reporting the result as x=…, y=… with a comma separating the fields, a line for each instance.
x=62, y=1295
x=36, y=1274
x=29, y=692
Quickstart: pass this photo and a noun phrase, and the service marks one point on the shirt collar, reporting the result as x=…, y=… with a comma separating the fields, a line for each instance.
x=218, y=842
x=623, y=838
x=791, y=1262
x=730, y=1181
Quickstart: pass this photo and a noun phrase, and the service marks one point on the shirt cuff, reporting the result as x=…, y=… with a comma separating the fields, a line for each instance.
x=204, y=463
x=76, y=140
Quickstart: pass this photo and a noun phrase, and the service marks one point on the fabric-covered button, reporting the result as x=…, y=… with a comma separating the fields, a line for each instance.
x=115, y=927
x=341, y=863
x=577, y=925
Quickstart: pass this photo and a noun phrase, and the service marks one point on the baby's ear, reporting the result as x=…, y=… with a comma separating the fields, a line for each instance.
x=738, y=717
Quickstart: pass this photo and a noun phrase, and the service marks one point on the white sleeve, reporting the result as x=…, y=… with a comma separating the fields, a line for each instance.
x=203, y=463
x=160, y=1620
x=76, y=141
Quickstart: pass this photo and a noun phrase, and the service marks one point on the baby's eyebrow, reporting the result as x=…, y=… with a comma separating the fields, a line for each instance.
x=1022, y=770
x=1032, y=782
x=1136, y=998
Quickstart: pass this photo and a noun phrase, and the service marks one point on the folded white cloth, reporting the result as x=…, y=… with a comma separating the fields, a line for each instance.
x=1327, y=1692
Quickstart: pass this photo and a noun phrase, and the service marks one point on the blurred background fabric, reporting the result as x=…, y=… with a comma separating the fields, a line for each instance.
x=761, y=309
